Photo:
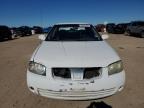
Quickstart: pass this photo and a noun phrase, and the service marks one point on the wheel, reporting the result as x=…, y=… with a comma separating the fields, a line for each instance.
x=142, y=34
x=10, y=37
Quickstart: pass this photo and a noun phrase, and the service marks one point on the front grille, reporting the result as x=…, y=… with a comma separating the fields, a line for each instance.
x=61, y=72
x=86, y=73
x=91, y=72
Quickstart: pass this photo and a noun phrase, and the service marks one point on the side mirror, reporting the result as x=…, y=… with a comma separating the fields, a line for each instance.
x=42, y=37
x=105, y=36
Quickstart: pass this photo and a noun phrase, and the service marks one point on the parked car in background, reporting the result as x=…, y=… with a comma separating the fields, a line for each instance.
x=73, y=62
x=16, y=32
x=37, y=29
x=100, y=27
x=120, y=28
x=25, y=31
x=135, y=28
x=5, y=32
x=110, y=27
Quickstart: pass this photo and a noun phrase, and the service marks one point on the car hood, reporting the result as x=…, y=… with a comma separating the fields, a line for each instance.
x=75, y=54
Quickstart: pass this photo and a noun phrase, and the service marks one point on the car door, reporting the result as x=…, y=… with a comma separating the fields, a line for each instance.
x=133, y=27
x=139, y=27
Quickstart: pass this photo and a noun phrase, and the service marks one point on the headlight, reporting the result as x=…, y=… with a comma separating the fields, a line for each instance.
x=37, y=68
x=115, y=67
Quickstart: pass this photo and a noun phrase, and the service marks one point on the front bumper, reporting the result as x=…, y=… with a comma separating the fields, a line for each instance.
x=76, y=90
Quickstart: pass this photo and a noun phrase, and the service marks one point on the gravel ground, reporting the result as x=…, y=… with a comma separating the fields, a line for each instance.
x=14, y=56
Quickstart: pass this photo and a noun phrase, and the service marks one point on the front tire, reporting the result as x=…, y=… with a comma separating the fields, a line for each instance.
x=11, y=37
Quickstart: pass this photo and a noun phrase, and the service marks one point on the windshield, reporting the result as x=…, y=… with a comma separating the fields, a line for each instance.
x=73, y=32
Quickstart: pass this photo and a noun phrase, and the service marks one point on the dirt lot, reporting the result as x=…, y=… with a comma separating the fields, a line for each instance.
x=14, y=56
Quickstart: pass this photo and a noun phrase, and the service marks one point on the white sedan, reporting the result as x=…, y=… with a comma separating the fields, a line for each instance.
x=73, y=62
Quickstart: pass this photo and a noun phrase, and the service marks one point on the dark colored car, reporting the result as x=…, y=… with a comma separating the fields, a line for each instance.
x=16, y=32
x=37, y=29
x=100, y=27
x=136, y=28
x=110, y=27
x=120, y=28
x=5, y=32
x=25, y=31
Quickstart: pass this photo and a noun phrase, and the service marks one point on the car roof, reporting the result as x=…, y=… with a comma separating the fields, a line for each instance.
x=71, y=23
x=111, y=24
x=3, y=26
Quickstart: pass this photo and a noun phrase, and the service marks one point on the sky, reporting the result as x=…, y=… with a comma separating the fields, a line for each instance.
x=48, y=12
